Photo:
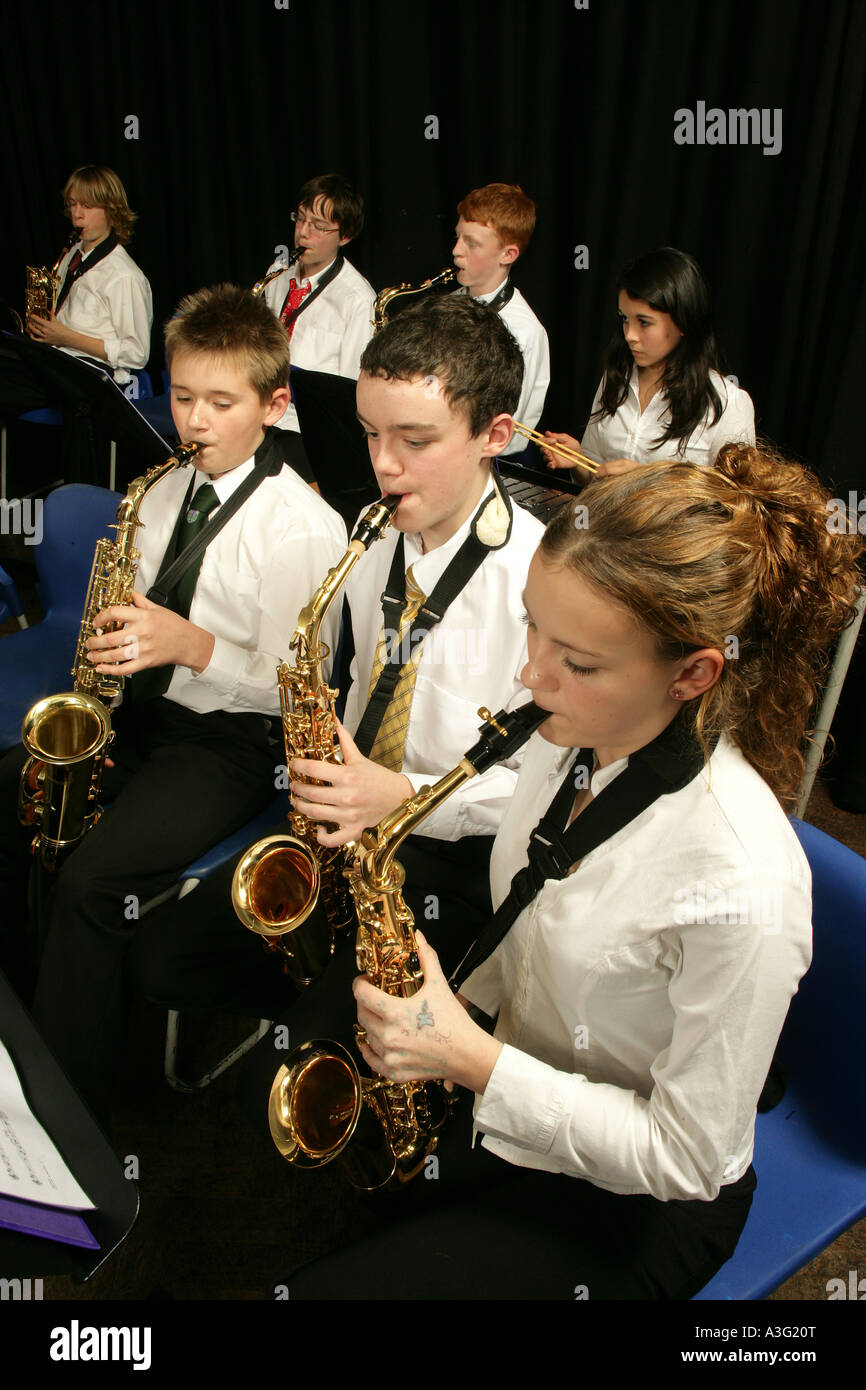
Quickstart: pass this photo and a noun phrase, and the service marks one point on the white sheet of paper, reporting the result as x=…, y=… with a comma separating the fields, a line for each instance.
x=30, y=1166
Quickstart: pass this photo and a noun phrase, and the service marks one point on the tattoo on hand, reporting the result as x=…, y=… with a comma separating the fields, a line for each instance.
x=425, y=1017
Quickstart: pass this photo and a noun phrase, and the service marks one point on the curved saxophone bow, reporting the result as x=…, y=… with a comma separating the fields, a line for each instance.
x=320, y=1108
x=67, y=735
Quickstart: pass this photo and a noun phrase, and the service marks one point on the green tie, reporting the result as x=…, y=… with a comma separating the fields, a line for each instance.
x=147, y=685
x=201, y=506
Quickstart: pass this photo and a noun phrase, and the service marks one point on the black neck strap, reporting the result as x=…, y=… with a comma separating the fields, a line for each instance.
x=672, y=760
x=91, y=258
x=453, y=581
x=269, y=461
x=330, y=274
x=502, y=296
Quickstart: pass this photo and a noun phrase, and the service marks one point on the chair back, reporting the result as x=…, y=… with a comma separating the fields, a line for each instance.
x=74, y=518
x=38, y=662
x=822, y=1041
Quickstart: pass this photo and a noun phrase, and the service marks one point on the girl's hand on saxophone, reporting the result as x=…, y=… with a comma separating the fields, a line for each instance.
x=429, y=1037
x=145, y=634
x=356, y=793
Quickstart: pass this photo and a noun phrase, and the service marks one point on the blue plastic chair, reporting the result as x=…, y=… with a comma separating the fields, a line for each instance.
x=10, y=603
x=810, y=1151
x=193, y=874
x=38, y=662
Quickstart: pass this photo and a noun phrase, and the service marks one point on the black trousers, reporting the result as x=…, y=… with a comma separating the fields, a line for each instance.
x=194, y=953
x=474, y=1226
x=181, y=782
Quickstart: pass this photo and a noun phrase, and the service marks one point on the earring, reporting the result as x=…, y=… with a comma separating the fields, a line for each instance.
x=676, y=693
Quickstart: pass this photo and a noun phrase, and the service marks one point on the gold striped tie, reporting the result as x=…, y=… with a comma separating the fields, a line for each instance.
x=391, y=738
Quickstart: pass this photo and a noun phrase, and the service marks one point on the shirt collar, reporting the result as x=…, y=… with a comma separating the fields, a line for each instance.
x=486, y=298
x=603, y=776
x=600, y=778
x=227, y=483
x=312, y=280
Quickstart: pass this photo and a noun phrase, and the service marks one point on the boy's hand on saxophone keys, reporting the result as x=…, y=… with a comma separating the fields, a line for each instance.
x=146, y=634
x=357, y=793
x=429, y=1037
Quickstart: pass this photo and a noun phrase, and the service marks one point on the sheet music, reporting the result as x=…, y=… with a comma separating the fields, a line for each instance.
x=31, y=1169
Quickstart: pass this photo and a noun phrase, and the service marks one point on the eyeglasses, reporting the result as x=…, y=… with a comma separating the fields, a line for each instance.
x=302, y=219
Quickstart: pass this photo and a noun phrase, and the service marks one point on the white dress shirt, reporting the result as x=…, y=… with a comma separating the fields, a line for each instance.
x=473, y=657
x=634, y=435
x=640, y=998
x=256, y=576
x=112, y=302
x=532, y=341
x=332, y=333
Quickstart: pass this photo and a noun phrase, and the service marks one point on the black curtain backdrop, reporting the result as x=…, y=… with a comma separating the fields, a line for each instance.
x=215, y=111
x=234, y=105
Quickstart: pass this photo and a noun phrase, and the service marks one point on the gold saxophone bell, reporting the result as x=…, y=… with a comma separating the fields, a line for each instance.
x=315, y=1104
x=66, y=737
x=275, y=893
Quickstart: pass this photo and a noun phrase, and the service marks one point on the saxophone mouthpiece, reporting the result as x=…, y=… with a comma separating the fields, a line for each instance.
x=503, y=733
x=376, y=520
x=186, y=453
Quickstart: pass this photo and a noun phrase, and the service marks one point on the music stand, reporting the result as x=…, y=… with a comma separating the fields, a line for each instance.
x=81, y=389
x=336, y=448
x=63, y=1114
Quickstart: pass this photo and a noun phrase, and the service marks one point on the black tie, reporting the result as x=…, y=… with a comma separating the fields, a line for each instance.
x=201, y=506
x=147, y=685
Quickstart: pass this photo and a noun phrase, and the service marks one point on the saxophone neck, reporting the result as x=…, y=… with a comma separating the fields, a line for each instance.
x=127, y=512
x=383, y=300
x=500, y=737
x=260, y=286
x=380, y=845
x=68, y=245
x=305, y=643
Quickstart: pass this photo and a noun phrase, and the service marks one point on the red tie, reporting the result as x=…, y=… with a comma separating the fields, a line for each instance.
x=297, y=295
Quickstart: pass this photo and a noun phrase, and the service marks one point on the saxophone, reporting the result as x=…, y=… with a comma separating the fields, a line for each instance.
x=42, y=286
x=318, y=1101
x=260, y=285
x=383, y=300
x=285, y=882
x=67, y=735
